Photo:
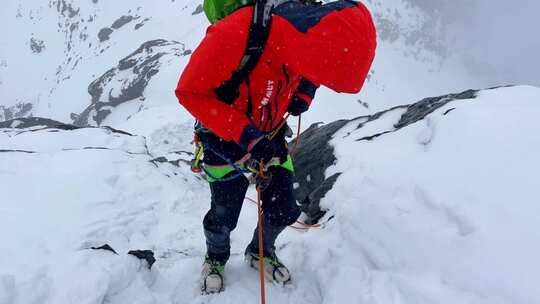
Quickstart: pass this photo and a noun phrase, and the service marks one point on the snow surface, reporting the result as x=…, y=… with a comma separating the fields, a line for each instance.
x=442, y=211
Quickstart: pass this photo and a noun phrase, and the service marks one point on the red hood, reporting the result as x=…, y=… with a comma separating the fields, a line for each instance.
x=337, y=52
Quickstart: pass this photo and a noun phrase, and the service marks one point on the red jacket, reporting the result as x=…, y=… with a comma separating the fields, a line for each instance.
x=332, y=45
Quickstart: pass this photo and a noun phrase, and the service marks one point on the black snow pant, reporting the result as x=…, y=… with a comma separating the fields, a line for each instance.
x=279, y=210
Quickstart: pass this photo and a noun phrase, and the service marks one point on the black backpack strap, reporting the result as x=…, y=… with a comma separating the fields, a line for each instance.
x=229, y=90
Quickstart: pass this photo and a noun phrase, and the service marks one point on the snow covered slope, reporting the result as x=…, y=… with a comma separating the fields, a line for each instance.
x=443, y=210
x=434, y=207
x=58, y=48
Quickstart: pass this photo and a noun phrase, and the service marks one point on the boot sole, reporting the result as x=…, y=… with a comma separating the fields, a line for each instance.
x=204, y=287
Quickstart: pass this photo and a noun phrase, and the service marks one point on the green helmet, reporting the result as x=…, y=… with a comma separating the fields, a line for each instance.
x=216, y=10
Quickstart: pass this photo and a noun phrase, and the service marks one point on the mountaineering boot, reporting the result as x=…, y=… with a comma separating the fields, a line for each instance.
x=273, y=268
x=212, y=276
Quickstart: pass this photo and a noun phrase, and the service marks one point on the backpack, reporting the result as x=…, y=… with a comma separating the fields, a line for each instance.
x=216, y=10
x=259, y=31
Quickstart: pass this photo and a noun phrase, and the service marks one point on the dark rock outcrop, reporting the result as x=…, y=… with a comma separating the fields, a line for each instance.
x=65, y=8
x=123, y=21
x=315, y=155
x=141, y=24
x=424, y=107
x=105, y=247
x=145, y=255
x=21, y=109
x=128, y=80
x=31, y=122
x=46, y=123
x=175, y=161
x=105, y=34
x=198, y=10
x=37, y=46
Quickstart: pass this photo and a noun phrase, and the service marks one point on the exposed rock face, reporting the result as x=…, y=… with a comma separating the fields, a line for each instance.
x=123, y=21
x=55, y=136
x=316, y=154
x=31, y=122
x=65, y=8
x=133, y=73
x=37, y=46
x=198, y=10
x=414, y=112
x=105, y=33
x=141, y=24
x=40, y=123
x=424, y=107
x=19, y=110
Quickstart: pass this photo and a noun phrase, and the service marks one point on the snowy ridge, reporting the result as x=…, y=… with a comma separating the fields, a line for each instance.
x=445, y=209
x=427, y=213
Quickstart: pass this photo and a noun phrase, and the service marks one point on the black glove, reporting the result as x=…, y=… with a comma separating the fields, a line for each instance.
x=262, y=151
x=302, y=98
x=297, y=106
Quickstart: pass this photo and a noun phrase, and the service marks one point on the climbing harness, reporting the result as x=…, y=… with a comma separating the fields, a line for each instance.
x=219, y=173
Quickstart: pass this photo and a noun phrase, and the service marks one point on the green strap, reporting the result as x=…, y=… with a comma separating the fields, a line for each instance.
x=289, y=165
x=218, y=172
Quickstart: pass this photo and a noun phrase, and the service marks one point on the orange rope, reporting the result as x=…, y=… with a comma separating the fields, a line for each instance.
x=261, y=245
x=260, y=211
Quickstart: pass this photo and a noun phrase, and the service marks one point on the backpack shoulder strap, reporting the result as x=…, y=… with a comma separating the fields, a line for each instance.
x=259, y=31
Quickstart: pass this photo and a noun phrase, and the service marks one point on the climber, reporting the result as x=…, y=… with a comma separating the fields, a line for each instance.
x=249, y=71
